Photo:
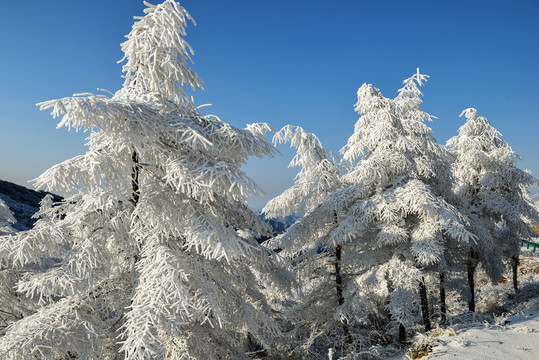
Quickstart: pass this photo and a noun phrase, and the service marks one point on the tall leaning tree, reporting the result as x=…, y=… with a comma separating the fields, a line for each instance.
x=496, y=192
x=147, y=255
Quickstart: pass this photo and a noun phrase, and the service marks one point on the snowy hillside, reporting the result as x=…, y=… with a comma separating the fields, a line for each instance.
x=23, y=202
x=516, y=338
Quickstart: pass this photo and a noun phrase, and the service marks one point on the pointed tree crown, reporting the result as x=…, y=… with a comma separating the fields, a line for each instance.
x=483, y=157
x=485, y=166
x=319, y=174
x=156, y=55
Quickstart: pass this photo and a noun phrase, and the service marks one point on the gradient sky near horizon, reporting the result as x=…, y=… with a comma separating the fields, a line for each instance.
x=282, y=62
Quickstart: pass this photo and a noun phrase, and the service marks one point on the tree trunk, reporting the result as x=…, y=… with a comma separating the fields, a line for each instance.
x=135, y=190
x=472, y=264
x=338, y=281
x=254, y=347
x=424, y=304
x=402, y=334
x=443, y=305
x=514, y=265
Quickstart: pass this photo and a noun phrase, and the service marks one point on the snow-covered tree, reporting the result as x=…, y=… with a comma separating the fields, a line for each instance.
x=319, y=176
x=147, y=256
x=385, y=227
x=496, y=191
x=405, y=220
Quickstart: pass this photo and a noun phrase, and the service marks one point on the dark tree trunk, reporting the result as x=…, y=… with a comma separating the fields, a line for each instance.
x=443, y=305
x=338, y=282
x=472, y=264
x=514, y=265
x=135, y=190
x=471, y=301
x=402, y=334
x=424, y=304
x=254, y=346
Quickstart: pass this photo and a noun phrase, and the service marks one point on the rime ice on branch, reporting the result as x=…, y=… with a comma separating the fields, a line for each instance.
x=148, y=248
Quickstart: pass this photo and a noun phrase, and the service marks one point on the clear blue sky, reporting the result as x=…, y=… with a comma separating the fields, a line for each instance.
x=282, y=62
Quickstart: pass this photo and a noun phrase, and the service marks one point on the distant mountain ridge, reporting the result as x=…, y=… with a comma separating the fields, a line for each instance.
x=278, y=225
x=23, y=202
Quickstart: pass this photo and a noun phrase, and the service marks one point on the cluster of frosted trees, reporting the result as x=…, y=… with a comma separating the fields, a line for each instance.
x=152, y=255
x=398, y=220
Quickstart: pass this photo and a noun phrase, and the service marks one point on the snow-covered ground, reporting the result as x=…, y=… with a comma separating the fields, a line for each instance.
x=512, y=334
x=517, y=338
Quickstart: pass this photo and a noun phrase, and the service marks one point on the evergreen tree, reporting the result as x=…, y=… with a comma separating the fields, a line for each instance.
x=496, y=192
x=319, y=175
x=314, y=309
x=147, y=256
x=406, y=218
x=386, y=227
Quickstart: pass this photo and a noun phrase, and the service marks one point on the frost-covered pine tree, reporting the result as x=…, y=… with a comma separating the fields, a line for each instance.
x=148, y=257
x=405, y=220
x=496, y=191
x=319, y=175
x=313, y=312
x=386, y=227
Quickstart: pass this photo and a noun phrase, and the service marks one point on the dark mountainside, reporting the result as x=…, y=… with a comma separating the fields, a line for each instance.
x=279, y=225
x=23, y=202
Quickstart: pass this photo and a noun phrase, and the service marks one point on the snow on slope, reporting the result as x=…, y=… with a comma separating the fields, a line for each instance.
x=511, y=331
x=23, y=202
x=6, y=219
x=517, y=339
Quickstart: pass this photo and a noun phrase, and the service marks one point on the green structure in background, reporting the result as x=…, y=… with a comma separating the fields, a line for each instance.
x=528, y=243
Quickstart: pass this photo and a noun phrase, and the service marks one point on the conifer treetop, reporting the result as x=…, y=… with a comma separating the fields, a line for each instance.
x=156, y=54
x=319, y=174
x=485, y=166
x=483, y=157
